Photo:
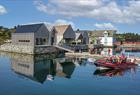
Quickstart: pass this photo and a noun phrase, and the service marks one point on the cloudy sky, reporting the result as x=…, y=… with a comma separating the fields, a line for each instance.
x=123, y=15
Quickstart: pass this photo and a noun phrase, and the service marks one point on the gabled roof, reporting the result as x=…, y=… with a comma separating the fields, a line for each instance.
x=82, y=32
x=78, y=36
x=60, y=29
x=30, y=28
x=100, y=33
x=49, y=27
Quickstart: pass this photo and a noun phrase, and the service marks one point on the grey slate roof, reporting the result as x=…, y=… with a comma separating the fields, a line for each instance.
x=82, y=31
x=30, y=28
x=61, y=29
x=49, y=27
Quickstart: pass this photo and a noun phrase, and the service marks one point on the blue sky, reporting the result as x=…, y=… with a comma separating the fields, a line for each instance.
x=123, y=15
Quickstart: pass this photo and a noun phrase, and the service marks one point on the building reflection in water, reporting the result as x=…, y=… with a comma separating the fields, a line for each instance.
x=40, y=68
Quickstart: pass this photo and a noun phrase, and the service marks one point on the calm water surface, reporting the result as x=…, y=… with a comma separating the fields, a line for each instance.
x=47, y=75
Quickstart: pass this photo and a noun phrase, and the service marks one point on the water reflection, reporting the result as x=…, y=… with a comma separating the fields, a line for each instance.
x=41, y=69
x=108, y=51
x=67, y=73
x=114, y=72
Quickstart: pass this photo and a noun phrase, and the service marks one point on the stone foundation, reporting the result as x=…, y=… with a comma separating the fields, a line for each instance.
x=27, y=49
x=44, y=49
x=17, y=48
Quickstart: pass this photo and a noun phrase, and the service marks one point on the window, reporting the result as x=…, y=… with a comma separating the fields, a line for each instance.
x=41, y=41
x=24, y=40
x=105, y=34
x=91, y=42
x=105, y=42
x=44, y=40
x=37, y=41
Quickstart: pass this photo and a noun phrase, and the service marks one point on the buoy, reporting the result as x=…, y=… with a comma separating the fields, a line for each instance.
x=91, y=60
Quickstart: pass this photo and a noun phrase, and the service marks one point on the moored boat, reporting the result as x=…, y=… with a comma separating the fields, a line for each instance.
x=108, y=63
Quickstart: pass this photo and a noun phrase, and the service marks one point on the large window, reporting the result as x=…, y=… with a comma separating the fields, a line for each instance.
x=37, y=41
x=24, y=40
x=40, y=41
x=44, y=40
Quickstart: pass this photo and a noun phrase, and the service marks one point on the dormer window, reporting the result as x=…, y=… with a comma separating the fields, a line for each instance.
x=105, y=34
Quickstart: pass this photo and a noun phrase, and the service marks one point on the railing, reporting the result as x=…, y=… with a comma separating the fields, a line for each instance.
x=65, y=47
x=80, y=46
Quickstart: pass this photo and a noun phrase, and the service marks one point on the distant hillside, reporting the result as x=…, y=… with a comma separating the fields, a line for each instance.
x=5, y=34
x=128, y=37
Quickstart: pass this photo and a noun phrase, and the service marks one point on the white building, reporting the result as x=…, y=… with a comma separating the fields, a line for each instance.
x=104, y=37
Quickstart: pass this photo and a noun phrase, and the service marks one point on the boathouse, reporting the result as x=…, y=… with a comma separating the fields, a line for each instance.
x=31, y=34
x=30, y=39
x=62, y=34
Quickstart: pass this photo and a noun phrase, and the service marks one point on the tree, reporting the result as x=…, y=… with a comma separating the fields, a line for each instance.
x=5, y=34
x=128, y=37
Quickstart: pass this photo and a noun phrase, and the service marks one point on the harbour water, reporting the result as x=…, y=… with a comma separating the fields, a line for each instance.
x=50, y=75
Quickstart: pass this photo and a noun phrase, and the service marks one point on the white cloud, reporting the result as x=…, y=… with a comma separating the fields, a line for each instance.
x=109, y=10
x=2, y=10
x=40, y=6
x=105, y=26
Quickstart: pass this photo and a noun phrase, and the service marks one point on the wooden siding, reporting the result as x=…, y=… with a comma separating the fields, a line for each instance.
x=16, y=37
x=43, y=33
x=30, y=37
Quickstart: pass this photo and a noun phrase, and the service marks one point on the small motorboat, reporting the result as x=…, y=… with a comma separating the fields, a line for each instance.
x=103, y=63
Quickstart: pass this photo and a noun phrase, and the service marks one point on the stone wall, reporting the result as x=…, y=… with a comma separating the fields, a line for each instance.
x=28, y=49
x=17, y=48
x=45, y=49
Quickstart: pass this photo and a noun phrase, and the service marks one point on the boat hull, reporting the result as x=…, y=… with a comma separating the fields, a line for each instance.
x=108, y=65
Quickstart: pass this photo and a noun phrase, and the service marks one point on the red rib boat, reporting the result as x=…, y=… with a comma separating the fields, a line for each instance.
x=110, y=65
